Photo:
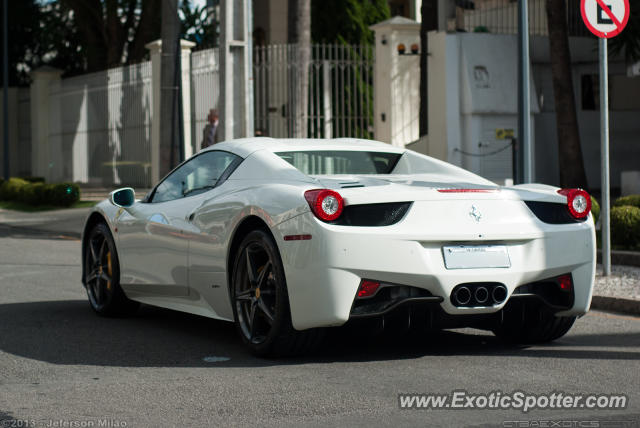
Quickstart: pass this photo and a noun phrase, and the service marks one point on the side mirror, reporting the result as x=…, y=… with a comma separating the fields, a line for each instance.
x=123, y=198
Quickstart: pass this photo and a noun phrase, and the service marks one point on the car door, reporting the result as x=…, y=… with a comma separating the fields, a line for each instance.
x=210, y=223
x=154, y=234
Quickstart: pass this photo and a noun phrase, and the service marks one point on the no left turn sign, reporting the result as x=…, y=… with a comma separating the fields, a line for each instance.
x=605, y=18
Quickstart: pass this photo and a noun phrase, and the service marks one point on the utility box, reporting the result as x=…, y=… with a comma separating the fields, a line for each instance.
x=473, y=102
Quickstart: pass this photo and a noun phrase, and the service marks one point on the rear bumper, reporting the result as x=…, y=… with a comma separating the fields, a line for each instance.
x=323, y=274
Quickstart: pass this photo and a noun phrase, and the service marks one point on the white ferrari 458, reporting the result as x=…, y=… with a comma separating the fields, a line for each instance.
x=287, y=237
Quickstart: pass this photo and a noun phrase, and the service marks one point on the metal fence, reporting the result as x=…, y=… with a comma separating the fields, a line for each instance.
x=501, y=17
x=340, y=90
x=100, y=123
x=102, y=132
x=205, y=90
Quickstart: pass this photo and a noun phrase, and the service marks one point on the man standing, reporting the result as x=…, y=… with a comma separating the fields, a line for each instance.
x=210, y=135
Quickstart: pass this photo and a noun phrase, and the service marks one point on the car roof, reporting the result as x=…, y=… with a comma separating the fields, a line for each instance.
x=245, y=146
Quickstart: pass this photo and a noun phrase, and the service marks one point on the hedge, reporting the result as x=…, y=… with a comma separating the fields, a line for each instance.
x=625, y=226
x=631, y=200
x=34, y=179
x=39, y=193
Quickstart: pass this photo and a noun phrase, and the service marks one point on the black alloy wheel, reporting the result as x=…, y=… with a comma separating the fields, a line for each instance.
x=255, y=293
x=102, y=275
x=261, y=301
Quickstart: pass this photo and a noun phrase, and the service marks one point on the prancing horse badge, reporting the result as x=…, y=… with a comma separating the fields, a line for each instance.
x=475, y=213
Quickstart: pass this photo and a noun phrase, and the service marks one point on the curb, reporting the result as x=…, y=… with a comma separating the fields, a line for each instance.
x=616, y=304
x=18, y=232
x=100, y=193
x=618, y=257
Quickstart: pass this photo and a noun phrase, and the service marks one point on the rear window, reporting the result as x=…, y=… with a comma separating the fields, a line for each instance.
x=341, y=162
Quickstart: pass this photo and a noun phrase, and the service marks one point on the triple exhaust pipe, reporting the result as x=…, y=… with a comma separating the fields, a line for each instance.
x=481, y=294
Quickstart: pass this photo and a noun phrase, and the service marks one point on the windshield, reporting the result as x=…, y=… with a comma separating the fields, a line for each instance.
x=341, y=162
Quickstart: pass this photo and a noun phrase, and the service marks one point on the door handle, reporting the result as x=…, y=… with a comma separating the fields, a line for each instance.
x=191, y=216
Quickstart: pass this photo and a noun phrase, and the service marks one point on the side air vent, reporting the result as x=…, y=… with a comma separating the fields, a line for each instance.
x=552, y=213
x=373, y=214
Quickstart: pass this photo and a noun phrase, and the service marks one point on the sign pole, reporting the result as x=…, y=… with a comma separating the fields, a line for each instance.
x=605, y=19
x=604, y=157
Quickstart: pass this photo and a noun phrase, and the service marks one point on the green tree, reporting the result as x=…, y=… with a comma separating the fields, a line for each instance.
x=114, y=32
x=80, y=36
x=59, y=41
x=41, y=34
x=346, y=21
x=627, y=43
x=572, y=172
x=198, y=25
x=23, y=28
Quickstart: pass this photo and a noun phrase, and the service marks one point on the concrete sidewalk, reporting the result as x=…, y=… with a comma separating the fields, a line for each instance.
x=619, y=292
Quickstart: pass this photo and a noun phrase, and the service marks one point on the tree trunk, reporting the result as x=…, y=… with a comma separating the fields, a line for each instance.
x=429, y=12
x=299, y=33
x=169, y=142
x=149, y=29
x=90, y=22
x=106, y=32
x=572, y=173
x=112, y=28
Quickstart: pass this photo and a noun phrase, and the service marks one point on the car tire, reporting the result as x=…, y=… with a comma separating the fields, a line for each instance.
x=528, y=324
x=102, y=275
x=261, y=302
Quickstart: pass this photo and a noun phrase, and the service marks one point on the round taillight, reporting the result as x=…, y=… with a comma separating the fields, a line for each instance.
x=326, y=204
x=578, y=202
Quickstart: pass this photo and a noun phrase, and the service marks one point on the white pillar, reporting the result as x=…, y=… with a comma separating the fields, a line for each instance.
x=236, y=70
x=326, y=94
x=41, y=106
x=397, y=82
x=190, y=145
x=443, y=108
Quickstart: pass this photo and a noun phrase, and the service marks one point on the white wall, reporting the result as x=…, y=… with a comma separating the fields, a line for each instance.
x=463, y=114
x=94, y=128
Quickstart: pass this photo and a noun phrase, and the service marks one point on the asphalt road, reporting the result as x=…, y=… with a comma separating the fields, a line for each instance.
x=61, y=363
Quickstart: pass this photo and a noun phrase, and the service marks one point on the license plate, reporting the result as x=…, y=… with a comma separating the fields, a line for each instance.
x=476, y=256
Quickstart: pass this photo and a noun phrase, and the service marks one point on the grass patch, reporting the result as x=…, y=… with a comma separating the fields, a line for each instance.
x=19, y=206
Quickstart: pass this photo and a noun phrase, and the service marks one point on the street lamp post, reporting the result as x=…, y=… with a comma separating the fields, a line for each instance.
x=5, y=87
x=524, y=103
